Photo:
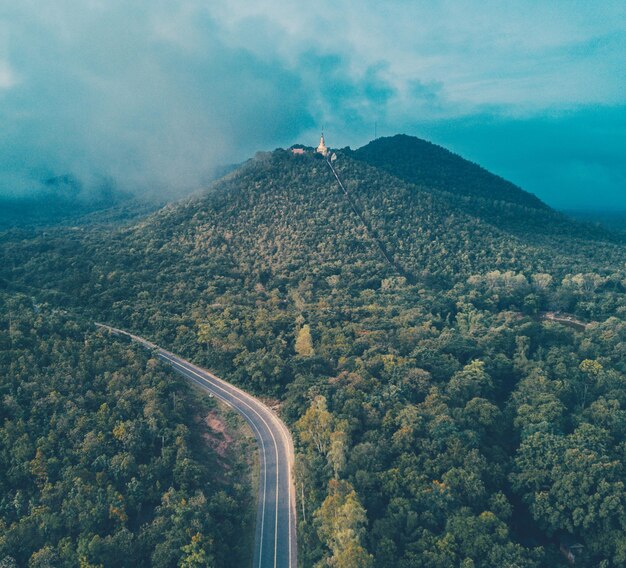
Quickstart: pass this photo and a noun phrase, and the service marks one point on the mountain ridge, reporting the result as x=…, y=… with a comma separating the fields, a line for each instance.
x=428, y=164
x=472, y=188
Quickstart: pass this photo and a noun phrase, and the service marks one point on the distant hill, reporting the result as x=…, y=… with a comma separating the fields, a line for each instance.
x=64, y=200
x=431, y=166
x=47, y=212
x=472, y=188
x=613, y=220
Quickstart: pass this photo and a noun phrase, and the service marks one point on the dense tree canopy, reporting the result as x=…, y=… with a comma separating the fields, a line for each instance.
x=440, y=420
x=101, y=458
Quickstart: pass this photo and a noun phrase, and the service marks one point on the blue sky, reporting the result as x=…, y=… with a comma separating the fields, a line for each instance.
x=154, y=94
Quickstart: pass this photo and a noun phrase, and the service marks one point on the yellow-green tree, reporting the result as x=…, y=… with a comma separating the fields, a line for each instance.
x=337, y=451
x=316, y=426
x=304, y=342
x=195, y=555
x=341, y=522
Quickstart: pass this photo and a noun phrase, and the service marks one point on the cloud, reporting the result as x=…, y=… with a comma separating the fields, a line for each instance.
x=7, y=76
x=154, y=94
x=148, y=96
x=529, y=54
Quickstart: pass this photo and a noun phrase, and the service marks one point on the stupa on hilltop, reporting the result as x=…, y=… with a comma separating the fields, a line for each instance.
x=322, y=149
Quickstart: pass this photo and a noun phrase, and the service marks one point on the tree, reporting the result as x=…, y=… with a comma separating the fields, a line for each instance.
x=572, y=483
x=43, y=558
x=316, y=426
x=195, y=554
x=472, y=381
x=337, y=451
x=591, y=371
x=352, y=556
x=542, y=281
x=341, y=524
x=304, y=342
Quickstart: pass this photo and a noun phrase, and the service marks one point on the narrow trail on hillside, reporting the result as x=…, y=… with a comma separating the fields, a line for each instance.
x=567, y=320
x=370, y=231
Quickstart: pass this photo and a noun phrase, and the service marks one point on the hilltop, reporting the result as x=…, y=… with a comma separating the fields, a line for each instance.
x=429, y=165
x=473, y=189
x=282, y=218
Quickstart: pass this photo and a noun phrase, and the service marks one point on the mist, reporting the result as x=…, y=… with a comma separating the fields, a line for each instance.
x=149, y=98
x=140, y=97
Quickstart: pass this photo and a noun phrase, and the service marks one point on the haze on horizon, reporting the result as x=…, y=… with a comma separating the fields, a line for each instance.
x=154, y=96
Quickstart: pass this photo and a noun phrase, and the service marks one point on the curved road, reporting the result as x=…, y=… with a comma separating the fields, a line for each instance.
x=275, y=540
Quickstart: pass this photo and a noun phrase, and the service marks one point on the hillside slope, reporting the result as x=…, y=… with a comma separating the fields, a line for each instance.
x=429, y=165
x=427, y=397
x=475, y=190
x=104, y=459
x=286, y=216
x=282, y=219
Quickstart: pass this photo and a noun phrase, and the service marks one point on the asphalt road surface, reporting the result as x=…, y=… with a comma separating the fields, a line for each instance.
x=275, y=539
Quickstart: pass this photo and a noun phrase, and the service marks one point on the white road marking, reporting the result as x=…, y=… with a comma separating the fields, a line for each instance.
x=251, y=422
x=184, y=366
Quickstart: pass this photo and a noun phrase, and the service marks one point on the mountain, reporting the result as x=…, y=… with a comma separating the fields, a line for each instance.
x=396, y=317
x=64, y=200
x=28, y=212
x=428, y=165
x=471, y=188
x=282, y=218
x=612, y=220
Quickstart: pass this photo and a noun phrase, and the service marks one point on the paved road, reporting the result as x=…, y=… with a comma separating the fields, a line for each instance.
x=275, y=542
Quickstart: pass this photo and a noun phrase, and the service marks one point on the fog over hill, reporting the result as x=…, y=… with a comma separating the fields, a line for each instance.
x=155, y=95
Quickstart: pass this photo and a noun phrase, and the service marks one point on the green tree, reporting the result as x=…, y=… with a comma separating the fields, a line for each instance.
x=472, y=381
x=195, y=554
x=573, y=483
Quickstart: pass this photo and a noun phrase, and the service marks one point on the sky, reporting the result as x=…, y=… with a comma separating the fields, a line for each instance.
x=152, y=95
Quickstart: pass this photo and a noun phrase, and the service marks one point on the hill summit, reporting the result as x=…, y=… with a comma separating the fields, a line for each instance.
x=429, y=165
x=403, y=207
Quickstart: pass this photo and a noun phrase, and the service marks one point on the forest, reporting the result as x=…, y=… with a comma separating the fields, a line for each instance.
x=440, y=419
x=102, y=458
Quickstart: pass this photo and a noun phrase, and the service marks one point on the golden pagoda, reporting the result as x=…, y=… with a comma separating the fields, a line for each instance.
x=322, y=149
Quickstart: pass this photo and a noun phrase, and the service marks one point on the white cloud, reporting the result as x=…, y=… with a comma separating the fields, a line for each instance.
x=529, y=54
x=154, y=92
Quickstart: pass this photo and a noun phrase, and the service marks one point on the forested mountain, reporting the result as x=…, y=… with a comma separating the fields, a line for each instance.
x=27, y=213
x=471, y=188
x=440, y=421
x=429, y=165
x=63, y=200
x=612, y=220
